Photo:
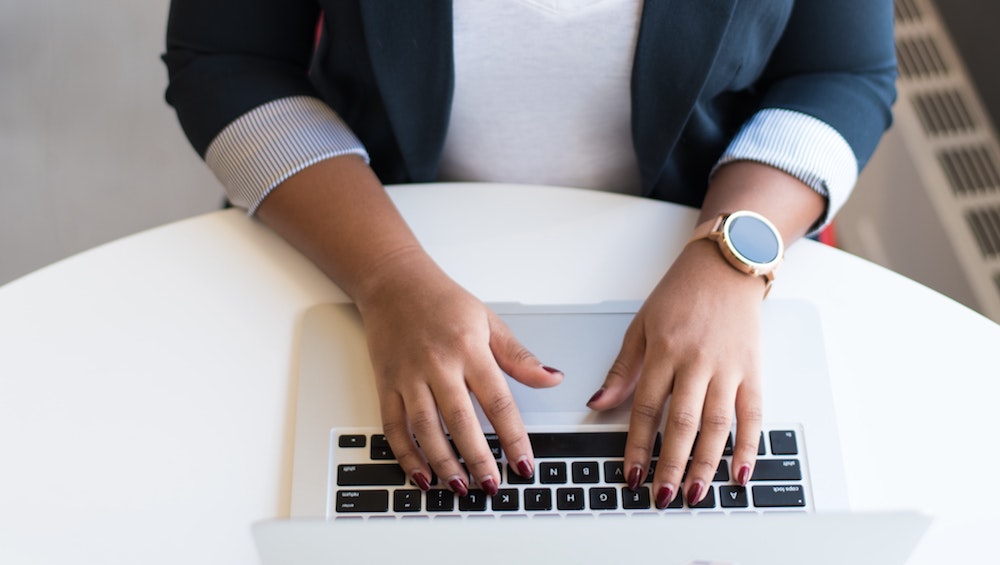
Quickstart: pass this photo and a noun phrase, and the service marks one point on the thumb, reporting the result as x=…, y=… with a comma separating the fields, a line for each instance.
x=624, y=373
x=515, y=359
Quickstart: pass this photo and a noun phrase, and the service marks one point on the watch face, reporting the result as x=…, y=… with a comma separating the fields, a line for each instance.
x=753, y=238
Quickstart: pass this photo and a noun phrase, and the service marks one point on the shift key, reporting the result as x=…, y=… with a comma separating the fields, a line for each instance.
x=370, y=474
x=777, y=470
x=362, y=501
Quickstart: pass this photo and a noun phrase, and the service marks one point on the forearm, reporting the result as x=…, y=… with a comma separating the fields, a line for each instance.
x=792, y=206
x=337, y=214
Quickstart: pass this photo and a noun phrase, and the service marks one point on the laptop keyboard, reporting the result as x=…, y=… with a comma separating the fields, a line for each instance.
x=576, y=473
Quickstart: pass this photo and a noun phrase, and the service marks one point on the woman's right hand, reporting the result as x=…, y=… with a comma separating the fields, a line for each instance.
x=432, y=344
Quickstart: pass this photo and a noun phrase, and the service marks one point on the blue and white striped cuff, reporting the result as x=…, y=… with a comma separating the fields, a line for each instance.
x=803, y=146
x=267, y=145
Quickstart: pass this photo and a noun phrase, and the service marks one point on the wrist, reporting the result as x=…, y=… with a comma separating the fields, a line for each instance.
x=747, y=241
x=701, y=258
x=405, y=271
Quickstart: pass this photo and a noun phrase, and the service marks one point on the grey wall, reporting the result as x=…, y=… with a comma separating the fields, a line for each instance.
x=89, y=151
x=975, y=28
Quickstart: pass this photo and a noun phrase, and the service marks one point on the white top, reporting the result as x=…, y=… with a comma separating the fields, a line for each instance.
x=542, y=89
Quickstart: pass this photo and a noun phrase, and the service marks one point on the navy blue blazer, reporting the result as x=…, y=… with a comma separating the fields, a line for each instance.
x=701, y=68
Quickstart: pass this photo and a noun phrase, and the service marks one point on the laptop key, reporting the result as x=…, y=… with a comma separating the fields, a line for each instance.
x=552, y=472
x=581, y=444
x=569, y=499
x=406, y=500
x=440, y=500
x=585, y=472
x=513, y=478
x=494, y=442
x=733, y=496
x=721, y=472
x=783, y=442
x=777, y=470
x=537, y=499
x=507, y=500
x=635, y=499
x=475, y=501
x=614, y=472
x=352, y=440
x=707, y=502
x=604, y=498
x=773, y=496
x=380, y=450
x=362, y=501
x=370, y=474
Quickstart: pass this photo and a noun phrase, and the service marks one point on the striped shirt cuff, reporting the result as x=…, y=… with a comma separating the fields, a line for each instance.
x=267, y=145
x=802, y=146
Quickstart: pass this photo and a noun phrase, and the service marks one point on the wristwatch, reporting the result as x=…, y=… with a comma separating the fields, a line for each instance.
x=748, y=241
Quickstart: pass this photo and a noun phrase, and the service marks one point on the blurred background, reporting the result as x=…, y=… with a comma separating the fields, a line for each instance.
x=90, y=152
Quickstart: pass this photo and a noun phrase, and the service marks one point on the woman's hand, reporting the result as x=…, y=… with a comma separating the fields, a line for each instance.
x=430, y=341
x=696, y=341
x=431, y=344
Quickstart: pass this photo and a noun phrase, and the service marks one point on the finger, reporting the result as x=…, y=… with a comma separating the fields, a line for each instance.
x=459, y=416
x=404, y=447
x=716, y=423
x=624, y=373
x=749, y=413
x=517, y=361
x=498, y=405
x=647, y=413
x=683, y=418
x=425, y=422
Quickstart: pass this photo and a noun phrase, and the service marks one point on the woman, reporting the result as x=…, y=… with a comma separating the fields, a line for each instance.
x=770, y=107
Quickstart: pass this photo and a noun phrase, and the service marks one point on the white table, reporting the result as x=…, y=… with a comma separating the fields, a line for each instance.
x=146, y=393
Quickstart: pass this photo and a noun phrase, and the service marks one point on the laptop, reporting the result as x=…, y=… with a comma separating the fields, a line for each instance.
x=799, y=484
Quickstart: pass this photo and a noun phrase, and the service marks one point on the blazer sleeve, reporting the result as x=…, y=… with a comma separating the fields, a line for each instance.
x=836, y=62
x=226, y=57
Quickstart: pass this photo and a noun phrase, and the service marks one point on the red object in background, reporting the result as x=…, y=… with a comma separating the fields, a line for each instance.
x=829, y=235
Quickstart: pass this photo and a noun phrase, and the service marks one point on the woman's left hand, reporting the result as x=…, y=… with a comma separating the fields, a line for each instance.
x=696, y=342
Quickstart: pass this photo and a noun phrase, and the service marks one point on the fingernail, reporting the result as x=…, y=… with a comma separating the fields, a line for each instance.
x=664, y=496
x=597, y=396
x=524, y=468
x=694, y=494
x=421, y=480
x=552, y=370
x=635, y=478
x=490, y=486
x=458, y=486
x=743, y=477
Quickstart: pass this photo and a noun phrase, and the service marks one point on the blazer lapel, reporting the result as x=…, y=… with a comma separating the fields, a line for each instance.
x=677, y=46
x=410, y=45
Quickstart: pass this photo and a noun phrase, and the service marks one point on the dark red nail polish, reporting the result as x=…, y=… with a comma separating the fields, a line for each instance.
x=664, y=497
x=525, y=469
x=635, y=477
x=743, y=477
x=422, y=482
x=490, y=486
x=552, y=370
x=694, y=494
x=458, y=486
x=597, y=396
